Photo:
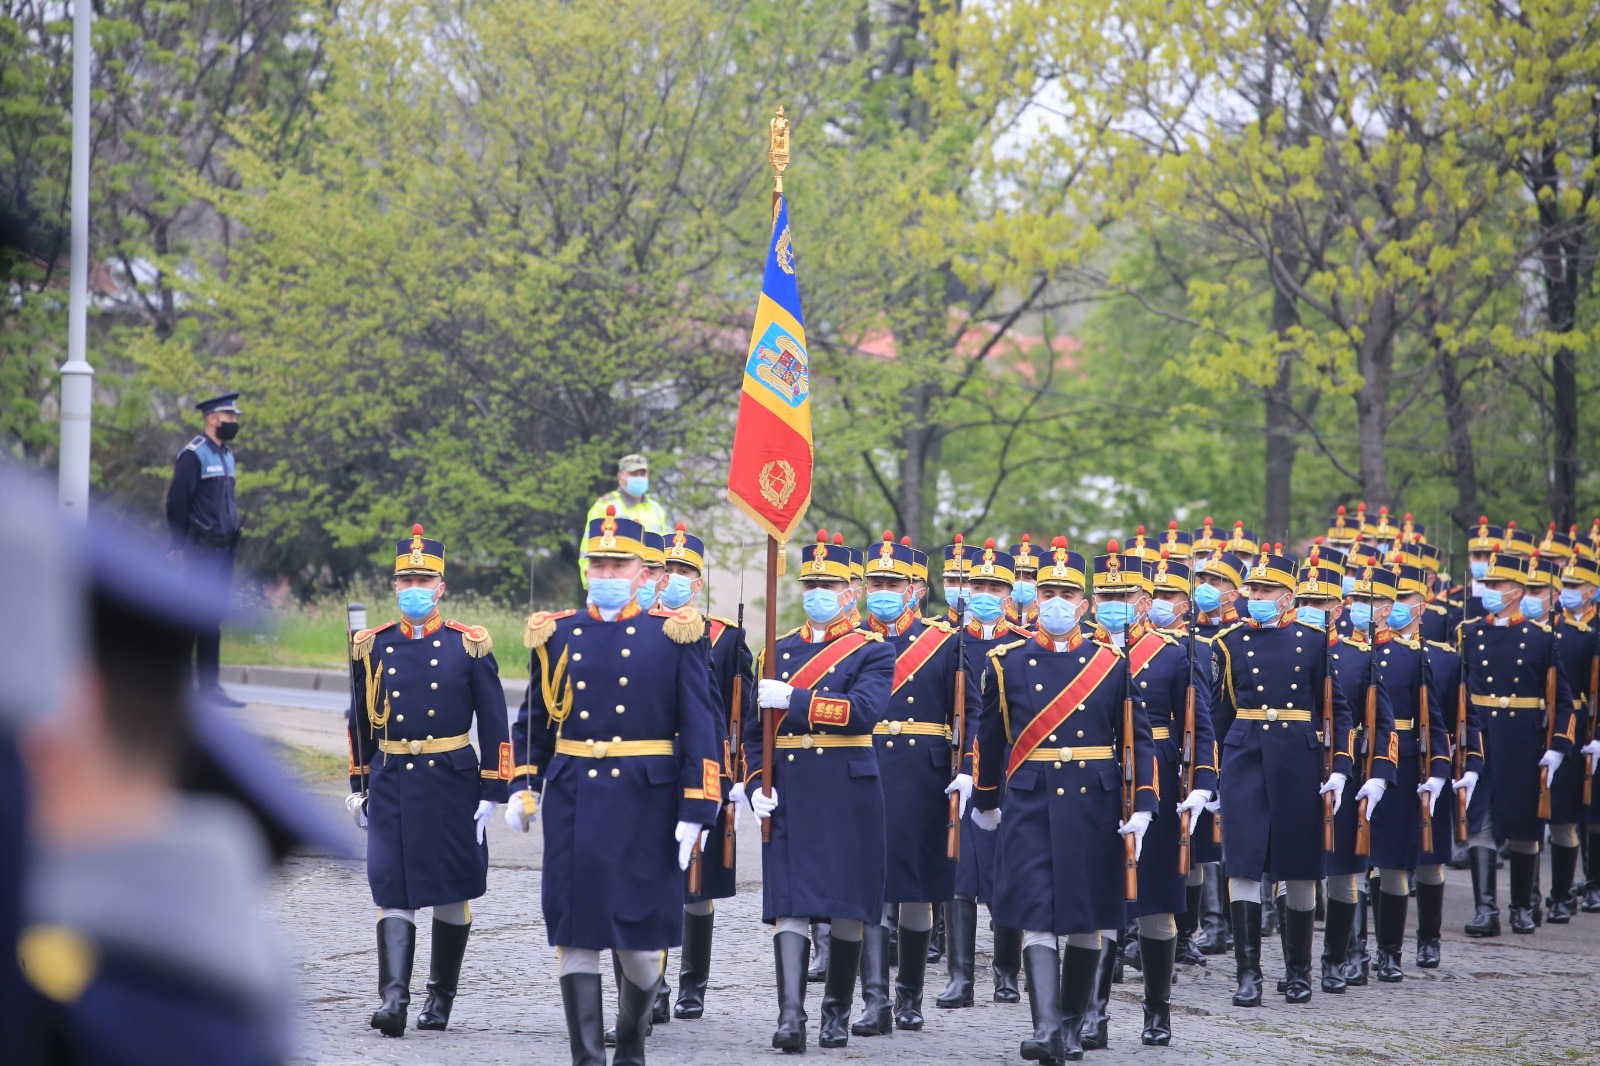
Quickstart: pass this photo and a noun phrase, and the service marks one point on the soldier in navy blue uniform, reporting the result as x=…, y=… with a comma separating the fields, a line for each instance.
x=826, y=858
x=1512, y=664
x=416, y=784
x=684, y=557
x=914, y=742
x=975, y=869
x=1580, y=579
x=1048, y=751
x=203, y=523
x=1217, y=578
x=618, y=737
x=1024, y=608
x=1444, y=666
x=1268, y=680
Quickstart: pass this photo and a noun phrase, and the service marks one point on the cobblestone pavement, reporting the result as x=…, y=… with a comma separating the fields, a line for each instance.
x=1509, y=1000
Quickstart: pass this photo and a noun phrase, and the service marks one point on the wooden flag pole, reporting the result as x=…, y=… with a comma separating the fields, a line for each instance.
x=778, y=156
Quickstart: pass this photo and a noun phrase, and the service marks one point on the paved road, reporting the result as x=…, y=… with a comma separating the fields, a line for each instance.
x=1511, y=1000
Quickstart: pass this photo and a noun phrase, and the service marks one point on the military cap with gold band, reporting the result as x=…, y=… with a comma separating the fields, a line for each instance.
x=823, y=561
x=919, y=561
x=653, y=551
x=1272, y=570
x=1385, y=531
x=1556, y=544
x=1519, y=541
x=1242, y=542
x=1146, y=549
x=419, y=555
x=1409, y=579
x=681, y=546
x=1504, y=566
x=1225, y=565
x=856, y=557
x=1205, y=540
x=1581, y=569
x=1319, y=579
x=1544, y=571
x=957, y=557
x=1364, y=524
x=1412, y=531
x=1059, y=566
x=1427, y=556
x=1484, y=537
x=1168, y=574
x=1025, y=559
x=1343, y=531
x=1374, y=580
x=1176, y=542
x=610, y=537
x=890, y=559
x=1582, y=548
x=1329, y=556
x=992, y=564
x=1118, y=571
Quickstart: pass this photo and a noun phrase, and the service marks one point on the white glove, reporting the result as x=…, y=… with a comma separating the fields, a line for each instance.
x=356, y=804
x=1335, y=784
x=1215, y=806
x=988, y=821
x=763, y=804
x=772, y=694
x=485, y=808
x=1194, y=803
x=1469, y=781
x=1137, y=824
x=1372, y=792
x=963, y=785
x=1591, y=749
x=688, y=834
x=1553, y=759
x=1431, y=788
x=521, y=809
x=740, y=802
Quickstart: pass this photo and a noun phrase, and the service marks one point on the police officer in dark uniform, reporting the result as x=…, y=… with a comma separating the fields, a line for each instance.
x=618, y=735
x=203, y=521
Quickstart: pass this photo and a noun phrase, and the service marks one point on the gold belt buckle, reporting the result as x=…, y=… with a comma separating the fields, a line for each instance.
x=599, y=749
x=1505, y=701
x=1065, y=754
x=806, y=741
x=894, y=728
x=415, y=747
x=1272, y=714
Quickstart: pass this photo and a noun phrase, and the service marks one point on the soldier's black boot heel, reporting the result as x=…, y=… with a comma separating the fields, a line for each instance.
x=444, y=973
x=694, y=965
x=1486, y=920
x=1094, y=1023
x=1080, y=973
x=1007, y=963
x=1391, y=936
x=1430, y=919
x=1591, y=869
x=909, y=978
x=1213, y=938
x=1043, y=965
x=839, y=991
x=1522, y=892
x=820, y=932
x=1563, y=869
x=1357, y=963
x=1157, y=957
x=961, y=932
x=936, y=939
x=580, y=998
x=1297, y=953
x=1185, y=953
x=876, y=1017
x=1246, y=952
x=397, y=949
x=791, y=951
x=1336, y=944
x=634, y=1007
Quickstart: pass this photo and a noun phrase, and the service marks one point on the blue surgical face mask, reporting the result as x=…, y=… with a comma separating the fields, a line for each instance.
x=1057, y=615
x=1311, y=616
x=987, y=607
x=1023, y=594
x=1532, y=607
x=822, y=605
x=1400, y=615
x=1361, y=616
x=1479, y=568
x=679, y=590
x=1162, y=613
x=1264, y=611
x=637, y=485
x=1115, y=615
x=886, y=606
x=1207, y=598
x=647, y=594
x=957, y=597
x=1349, y=585
x=415, y=603
x=1493, y=601
x=610, y=593
x=1571, y=599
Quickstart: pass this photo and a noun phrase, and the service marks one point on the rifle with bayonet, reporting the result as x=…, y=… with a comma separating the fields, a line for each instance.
x=952, y=834
x=1129, y=785
x=1369, y=730
x=735, y=746
x=1186, y=757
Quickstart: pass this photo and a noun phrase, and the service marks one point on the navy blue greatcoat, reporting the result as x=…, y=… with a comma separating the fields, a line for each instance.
x=730, y=658
x=1577, y=642
x=1444, y=666
x=975, y=870
x=1397, y=822
x=1354, y=664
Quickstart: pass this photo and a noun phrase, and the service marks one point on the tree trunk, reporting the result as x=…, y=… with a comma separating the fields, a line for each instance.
x=915, y=485
x=1373, y=359
x=1564, y=485
x=1281, y=447
x=1458, y=420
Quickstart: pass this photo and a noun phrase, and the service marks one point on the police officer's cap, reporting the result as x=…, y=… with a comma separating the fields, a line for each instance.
x=228, y=401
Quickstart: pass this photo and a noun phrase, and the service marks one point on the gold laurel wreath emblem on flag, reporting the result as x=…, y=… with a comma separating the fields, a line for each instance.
x=777, y=482
x=785, y=252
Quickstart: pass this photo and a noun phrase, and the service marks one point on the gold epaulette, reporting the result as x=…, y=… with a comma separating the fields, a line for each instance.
x=730, y=623
x=1436, y=607
x=361, y=643
x=999, y=650
x=683, y=626
x=541, y=625
x=475, y=639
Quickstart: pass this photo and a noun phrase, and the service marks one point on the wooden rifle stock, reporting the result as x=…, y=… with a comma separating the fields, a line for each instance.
x=1327, y=760
x=730, y=817
x=1461, y=759
x=1186, y=754
x=1129, y=787
x=1549, y=737
x=952, y=836
x=1427, y=767
x=1594, y=707
x=694, y=870
x=1370, y=727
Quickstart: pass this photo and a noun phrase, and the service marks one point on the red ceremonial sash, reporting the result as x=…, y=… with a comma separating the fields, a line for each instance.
x=1060, y=709
x=831, y=655
x=917, y=655
x=1143, y=651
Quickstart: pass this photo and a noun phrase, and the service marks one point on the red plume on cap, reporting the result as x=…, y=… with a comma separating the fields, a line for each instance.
x=989, y=543
x=1172, y=524
x=888, y=534
x=838, y=539
x=1278, y=547
x=416, y=530
x=1139, y=532
x=1059, y=542
x=822, y=536
x=1207, y=522
x=1408, y=516
x=1026, y=539
x=1511, y=524
x=905, y=541
x=960, y=539
x=1316, y=540
x=1552, y=527
x=681, y=527
x=1383, y=510
x=1111, y=546
x=611, y=510
x=1239, y=524
x=1163, y=551
x=1483, y=520
x=1340, y=511
x=1316, y=554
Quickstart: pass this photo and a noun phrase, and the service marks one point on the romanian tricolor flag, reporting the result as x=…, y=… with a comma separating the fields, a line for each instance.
x=770, y=475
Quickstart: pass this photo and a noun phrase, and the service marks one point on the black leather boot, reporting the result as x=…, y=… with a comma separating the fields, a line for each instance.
x=1043, y=965
x=580, y=998
x=1486, y=922
x=1591, y=869
x=444, y=973
x=1269, y=910
x=1357, y=963
x=1430, y=917
x=820, y=934
x=397, y=949
x=1006, y=962
x=936, y=938
x=1132, y=953
x=962, y=937
x=909, y=979
x=1214, y=936
x=1336, y=944
x=1185, y=952
x=634, y=1007
x=661, y=1007
x=1116, y=960
x=694, y=965
x=1391, y=936
x=876, y=1018
x=1563, y=868
x=1246, y=952
x=893, y=941
x=1080, y=973
x=839, y=991
x=1092, y=1030
x=1297, y=953
x=1522, y=892
x=1283, y=942
x=790, y=952
x=1157, y=956
x=1536, y=897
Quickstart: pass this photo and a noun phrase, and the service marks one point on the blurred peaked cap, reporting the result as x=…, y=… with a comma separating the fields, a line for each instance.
x=46, y=581
x=228, y=401
x=632, y=461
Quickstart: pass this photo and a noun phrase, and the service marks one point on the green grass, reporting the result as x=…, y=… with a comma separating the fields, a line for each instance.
x=312, y=634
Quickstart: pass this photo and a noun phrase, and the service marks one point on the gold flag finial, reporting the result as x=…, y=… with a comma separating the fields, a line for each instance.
x=778, y=148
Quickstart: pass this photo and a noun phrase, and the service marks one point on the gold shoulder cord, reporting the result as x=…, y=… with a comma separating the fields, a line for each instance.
x=374, y=674
x=555, y=685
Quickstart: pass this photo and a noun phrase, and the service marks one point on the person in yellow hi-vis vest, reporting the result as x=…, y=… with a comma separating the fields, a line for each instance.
x=632, y=500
